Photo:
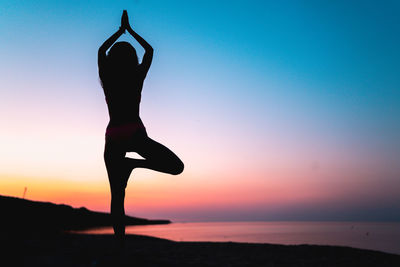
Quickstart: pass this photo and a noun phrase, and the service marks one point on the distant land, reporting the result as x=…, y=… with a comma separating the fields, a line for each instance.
x=28, y=216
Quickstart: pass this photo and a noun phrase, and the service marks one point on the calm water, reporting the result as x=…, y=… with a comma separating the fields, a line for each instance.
x=376, y=236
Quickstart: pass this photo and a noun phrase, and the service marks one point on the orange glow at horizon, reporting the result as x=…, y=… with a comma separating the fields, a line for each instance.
x=149, y=192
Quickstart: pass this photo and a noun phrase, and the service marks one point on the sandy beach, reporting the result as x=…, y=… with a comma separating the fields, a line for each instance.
x=100, y=250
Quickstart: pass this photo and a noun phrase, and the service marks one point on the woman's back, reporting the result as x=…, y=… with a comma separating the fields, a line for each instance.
x=122, y=89
x=122, y=80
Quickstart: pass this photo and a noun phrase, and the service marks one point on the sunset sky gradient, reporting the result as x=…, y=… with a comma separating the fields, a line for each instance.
x=280, y=110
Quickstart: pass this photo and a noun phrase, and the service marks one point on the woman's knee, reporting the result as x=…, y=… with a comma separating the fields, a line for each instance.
x=177, y=167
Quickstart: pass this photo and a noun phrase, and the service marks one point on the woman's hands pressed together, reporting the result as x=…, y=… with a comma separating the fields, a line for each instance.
x=125, y=21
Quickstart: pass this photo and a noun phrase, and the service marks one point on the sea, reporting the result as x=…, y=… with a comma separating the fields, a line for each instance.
x=380, y=236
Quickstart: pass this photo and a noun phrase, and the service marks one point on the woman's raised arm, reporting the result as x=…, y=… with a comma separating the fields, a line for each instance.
x=148, y=50
x=101, y=56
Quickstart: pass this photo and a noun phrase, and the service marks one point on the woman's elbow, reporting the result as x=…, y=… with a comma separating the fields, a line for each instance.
x=149, y=50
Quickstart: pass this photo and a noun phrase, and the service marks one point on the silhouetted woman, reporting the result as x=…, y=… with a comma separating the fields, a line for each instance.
x=122, y=79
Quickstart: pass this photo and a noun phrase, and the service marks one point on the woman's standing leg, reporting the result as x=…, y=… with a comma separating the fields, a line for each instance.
x=118, y=174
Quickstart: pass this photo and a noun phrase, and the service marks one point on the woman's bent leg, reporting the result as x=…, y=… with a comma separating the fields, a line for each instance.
x=157, y=157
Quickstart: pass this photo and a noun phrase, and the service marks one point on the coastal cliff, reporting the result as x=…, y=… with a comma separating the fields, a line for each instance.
x=26, y=215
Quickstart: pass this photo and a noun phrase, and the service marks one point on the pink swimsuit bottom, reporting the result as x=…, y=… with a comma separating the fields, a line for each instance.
x=124, y=132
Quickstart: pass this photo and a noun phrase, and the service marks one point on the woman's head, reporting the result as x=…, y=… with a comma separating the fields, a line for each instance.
x=123, y=54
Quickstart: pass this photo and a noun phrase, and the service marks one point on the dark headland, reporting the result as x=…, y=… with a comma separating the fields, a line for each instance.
x=27, y=215
x=57, y=248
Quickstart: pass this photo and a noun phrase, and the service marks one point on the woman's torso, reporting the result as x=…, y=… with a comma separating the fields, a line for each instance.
x=122, y=90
